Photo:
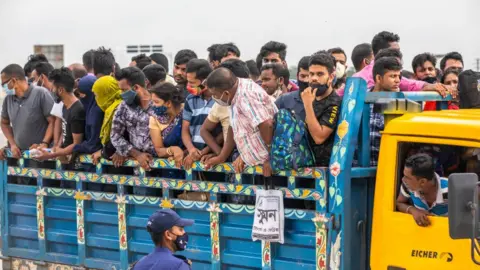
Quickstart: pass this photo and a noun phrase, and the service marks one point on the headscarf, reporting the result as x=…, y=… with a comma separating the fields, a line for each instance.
x=107, y=95
x=85, y=85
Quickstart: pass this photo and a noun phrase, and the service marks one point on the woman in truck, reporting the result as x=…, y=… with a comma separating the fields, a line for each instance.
x=166, y=124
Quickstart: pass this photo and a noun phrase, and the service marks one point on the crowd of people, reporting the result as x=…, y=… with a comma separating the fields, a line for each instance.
x=214, y=110
x=217, y=110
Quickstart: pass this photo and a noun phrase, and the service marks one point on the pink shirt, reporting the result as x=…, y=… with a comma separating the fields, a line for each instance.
x=250, y=107
x=366, y=73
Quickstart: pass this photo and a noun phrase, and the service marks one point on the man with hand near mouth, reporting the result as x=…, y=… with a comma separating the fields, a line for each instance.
x=322, y=106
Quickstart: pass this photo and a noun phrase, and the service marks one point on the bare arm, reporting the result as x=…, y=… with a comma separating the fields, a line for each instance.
x=57, y=132
x=206, y=133
x=77, y=139
x=49, y=133
x=8, y=131
x=266, y=132
x=187, y=138
x=228, y=146
x=158, y=143
x=403, y=203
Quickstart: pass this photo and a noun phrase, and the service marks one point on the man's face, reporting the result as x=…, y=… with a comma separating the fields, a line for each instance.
x=452, y=80
x=269, y=81
x=172, y=235
x=59, y=92
x=42, y=80
x=303, y=75
x=272, y=58
x=341, y=58
x=390, y=81
x=132, y=64
x=453, y=63
x=7, y=81
x=319, y=75
x=425, y=71
x=124, y=85
x=412, y=182
x=230, y=55
x=180, y=73
x=394, y=45
x=192, y=80
x=214, y=64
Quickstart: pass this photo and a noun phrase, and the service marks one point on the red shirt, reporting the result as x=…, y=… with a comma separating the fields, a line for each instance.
x=432, y=106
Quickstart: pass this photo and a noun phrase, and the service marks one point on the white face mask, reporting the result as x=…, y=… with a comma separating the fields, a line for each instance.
x=340, y=70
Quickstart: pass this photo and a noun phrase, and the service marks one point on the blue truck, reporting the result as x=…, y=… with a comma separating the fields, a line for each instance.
x=46, y=227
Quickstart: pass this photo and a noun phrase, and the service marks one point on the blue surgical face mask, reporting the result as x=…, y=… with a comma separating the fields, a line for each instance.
x=160, y=110
x=8, y=91
x=129, y=96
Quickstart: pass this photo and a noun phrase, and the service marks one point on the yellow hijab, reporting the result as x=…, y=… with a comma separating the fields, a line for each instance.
x=107, y=95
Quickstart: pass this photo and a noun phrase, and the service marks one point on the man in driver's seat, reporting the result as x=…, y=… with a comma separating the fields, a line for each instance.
x=422, y=192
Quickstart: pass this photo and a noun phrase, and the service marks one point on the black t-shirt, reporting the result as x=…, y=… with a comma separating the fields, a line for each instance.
x=74, y=122
x=327, y=111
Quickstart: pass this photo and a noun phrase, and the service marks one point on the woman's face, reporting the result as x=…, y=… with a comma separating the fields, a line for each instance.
x=158, y=102
x=452, y=80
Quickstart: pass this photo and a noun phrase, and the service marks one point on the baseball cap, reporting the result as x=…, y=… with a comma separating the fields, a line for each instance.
x=165, y=219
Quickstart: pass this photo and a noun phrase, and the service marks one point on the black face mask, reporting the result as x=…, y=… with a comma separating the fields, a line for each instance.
x=302, y=85
x=56, y=97
x=321, y=88
x=430, y=80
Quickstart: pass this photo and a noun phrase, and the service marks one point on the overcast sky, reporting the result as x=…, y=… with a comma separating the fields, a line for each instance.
x=305, y=26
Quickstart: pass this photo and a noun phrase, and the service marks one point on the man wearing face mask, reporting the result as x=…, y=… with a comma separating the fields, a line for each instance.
x=132, y=116
x=302, y=73
x=423, y=66
x=73, y=113
x=40, y=75
x=40, y=78
x=292, y=101
x=322, y=106
x=26, y=119
x=340, y=67
x=251, y=117
x=197, y=106
x=167, y=231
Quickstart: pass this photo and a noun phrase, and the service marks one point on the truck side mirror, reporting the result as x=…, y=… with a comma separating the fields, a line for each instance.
x=462, y=202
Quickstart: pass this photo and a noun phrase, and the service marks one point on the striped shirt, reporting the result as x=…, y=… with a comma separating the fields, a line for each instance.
x=439, y=207
x=196, y=111
x=250, y=107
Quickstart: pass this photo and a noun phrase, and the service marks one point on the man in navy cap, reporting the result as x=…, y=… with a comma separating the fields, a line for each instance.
x=166, y=229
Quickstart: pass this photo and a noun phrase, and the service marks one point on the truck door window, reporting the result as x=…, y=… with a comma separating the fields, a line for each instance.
x=422, y=173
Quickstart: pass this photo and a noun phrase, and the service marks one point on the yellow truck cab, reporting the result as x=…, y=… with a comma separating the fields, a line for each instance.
x=397, y=241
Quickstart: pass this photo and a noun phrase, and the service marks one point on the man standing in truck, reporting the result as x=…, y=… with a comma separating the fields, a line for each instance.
x=423, y=192
x=387, y=74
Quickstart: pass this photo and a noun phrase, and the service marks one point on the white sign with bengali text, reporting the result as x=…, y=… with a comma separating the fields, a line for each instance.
x=269, y=219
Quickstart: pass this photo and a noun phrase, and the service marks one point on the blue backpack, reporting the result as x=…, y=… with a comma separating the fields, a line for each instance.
x=290, y=147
